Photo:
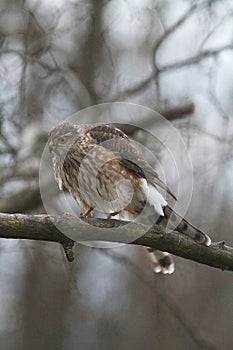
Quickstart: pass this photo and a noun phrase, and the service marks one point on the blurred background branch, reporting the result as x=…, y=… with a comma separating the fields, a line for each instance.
x=166, y=298
x=60, y=57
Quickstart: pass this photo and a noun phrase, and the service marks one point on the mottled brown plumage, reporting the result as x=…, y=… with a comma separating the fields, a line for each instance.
x=100, y=166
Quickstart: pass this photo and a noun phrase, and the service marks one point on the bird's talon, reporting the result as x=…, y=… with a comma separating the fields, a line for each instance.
x=66, y=213
x=113, y=214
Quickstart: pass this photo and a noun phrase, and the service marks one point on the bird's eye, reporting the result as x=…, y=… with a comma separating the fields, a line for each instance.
x=62, y=139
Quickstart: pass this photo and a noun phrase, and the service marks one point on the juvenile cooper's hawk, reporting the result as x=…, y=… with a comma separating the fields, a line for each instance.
x=99, y=165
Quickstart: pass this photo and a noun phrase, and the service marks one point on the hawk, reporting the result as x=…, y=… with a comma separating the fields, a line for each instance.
x=104, y=171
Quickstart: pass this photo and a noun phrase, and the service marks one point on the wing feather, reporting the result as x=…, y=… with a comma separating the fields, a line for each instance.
x=118, y=142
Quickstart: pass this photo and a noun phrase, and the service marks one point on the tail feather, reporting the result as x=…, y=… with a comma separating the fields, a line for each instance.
x=183, y=226
x=162, y=261
x=168, y=219
x=154, y=198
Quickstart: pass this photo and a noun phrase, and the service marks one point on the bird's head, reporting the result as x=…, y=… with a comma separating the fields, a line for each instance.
x=62, y=138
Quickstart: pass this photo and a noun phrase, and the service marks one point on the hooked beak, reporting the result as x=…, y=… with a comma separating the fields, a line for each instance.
x=51, y=146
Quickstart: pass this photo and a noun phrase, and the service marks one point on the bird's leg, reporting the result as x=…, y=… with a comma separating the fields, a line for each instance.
x=131, y=211
x=87, y=212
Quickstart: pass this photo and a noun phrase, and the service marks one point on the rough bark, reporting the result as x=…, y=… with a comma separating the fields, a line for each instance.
x=43, y=227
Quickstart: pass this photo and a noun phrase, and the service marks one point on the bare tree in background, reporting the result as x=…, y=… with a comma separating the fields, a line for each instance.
x=58, y=58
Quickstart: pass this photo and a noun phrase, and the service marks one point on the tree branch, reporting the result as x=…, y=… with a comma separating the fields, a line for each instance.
x=44, y=227
x=195, y=59
x=177, y=24
x=150, y=120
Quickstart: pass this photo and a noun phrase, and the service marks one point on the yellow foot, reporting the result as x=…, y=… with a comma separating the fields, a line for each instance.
x=65, y=213
x=131, y=211
x=87, y=213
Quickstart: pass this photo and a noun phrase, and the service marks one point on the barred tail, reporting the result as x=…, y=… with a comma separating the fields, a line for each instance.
x=161, y=261
x=183, y=226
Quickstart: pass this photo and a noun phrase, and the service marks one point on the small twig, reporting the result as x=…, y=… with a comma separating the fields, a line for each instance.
x=68, y=249
x=220, y=244
x=170, y=114
x=195, y=59
x=177, y=24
